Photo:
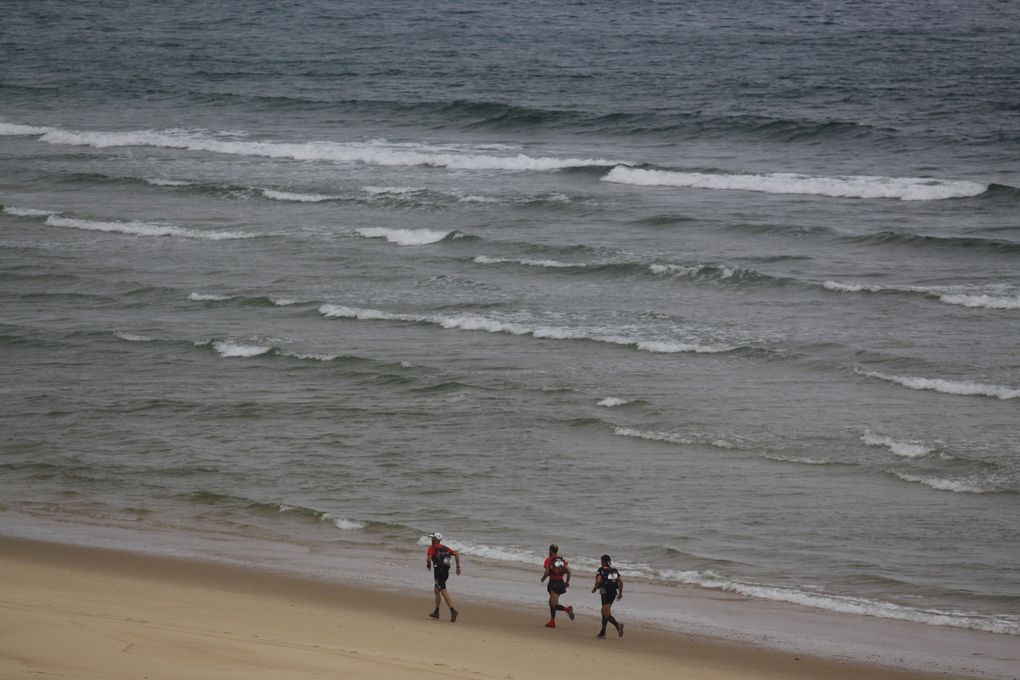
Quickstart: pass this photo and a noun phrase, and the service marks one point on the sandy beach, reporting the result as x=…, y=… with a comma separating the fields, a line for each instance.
x=69, y=611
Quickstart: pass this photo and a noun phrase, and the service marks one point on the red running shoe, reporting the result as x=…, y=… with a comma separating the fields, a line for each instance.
x=551, y=624
x=570, y=612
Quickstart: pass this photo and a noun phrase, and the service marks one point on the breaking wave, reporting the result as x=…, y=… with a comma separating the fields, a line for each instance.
x=409, y=237
x=133, y=337
x=677, y=438
x=26, y=212
x=959, y=387
x=552, y=264
x=799, y=460
x=983, y=301
x=906, y=449
x=378, y=152
x=230, y=349
x=996, y=297
x=298, y=198
x=610, y=402
x=862, y=186
x=970, y=484
x=1006, y=625
x=142, y=228
x=474, y=322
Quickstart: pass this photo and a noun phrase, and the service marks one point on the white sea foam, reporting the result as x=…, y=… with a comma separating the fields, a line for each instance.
x=554, y=264
x=160, y=182
x=142, y=229
x=667, y=347
x=701, y=439
x=342, y=523
x=297, y=198
x=405, y=237
x=905, y=449
x=679, y=270
x=668, y=437
x=972, y=484
x=14, y=130
x=850, y=287
x=376, y=152
x=310, y=357
x=798, y=460
x=860, y=186
x=675, y=269
x=985, y=301
x=610, y=402
x=207, y=297
x=471, y=198
x=229, y=349
x=131, y=337
x=398, y=191
x=848, y=605
x=472, y=322
x=960, y=387
x=26, y=212
x=339, y=522
x=283, y=302
x=944, y=294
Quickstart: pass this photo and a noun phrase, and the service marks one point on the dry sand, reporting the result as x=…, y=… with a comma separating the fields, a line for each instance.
x=75, y=612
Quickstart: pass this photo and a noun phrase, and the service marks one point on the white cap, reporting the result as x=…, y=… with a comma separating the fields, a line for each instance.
x=436, y=536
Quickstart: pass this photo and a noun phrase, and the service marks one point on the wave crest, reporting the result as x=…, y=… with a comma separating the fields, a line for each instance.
x=862, y=186
x=378, y=152
x=958, y=387
x=905, y=449
x=408, y=237
x=473, y=322
x=142, y=229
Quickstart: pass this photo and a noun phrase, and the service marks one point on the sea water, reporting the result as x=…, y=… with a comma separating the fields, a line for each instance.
x=730, y=292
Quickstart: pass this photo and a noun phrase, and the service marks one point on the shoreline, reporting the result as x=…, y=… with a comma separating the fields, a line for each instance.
x=134, y=612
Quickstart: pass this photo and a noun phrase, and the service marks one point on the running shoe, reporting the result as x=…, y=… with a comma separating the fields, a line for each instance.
x=570, y=612
x=551, y=624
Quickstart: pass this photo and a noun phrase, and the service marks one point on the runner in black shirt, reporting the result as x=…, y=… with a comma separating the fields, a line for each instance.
x=609, y=583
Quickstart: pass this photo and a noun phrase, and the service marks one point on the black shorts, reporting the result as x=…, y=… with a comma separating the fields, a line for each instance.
x=608, y=596
x=441, y=575
x=558, y=587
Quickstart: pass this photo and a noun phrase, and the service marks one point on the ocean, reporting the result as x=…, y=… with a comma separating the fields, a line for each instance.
x=730, y=291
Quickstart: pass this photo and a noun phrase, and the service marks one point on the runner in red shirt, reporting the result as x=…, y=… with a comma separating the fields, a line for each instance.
x=558, y=573
x=438, y=560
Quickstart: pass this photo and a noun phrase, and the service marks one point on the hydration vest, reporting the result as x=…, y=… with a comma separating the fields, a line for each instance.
x=442, y=557
x=558, y=566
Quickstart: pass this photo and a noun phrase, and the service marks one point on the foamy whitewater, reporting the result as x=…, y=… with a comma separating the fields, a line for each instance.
x=672, y=282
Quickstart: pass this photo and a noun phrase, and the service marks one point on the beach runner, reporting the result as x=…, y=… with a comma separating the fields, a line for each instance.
x=609, y=583
x=438, y=559
x=557, y=571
